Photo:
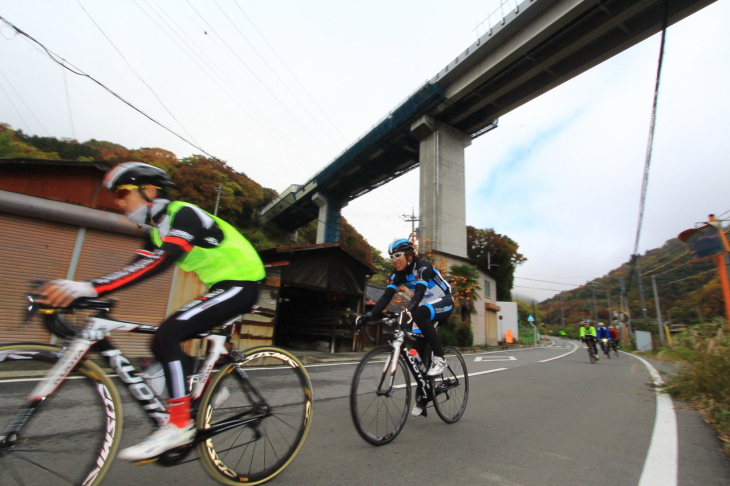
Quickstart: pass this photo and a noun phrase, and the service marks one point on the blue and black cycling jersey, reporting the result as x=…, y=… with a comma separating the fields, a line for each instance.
x=421, y=272
x=428, y=286
x=603, y=333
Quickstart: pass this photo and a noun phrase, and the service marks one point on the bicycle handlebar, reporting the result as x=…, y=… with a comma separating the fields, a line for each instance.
x=388, y=321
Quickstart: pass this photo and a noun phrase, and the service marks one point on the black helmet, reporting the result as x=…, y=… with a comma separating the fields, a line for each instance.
x=400, y=244
x=138, y=174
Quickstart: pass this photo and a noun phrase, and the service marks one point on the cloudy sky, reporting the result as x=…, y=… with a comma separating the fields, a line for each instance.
x=278, y=89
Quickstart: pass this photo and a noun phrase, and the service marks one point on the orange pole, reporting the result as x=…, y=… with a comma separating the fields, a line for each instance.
x=723, y=280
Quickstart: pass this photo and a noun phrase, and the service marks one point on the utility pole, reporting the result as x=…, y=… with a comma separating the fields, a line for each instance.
x=595, y=305
x=723, y=265
x=625, y=310
x=662, y=339
x=217, y=199
x=641, y=292
x=610, y=313
x=562, y=316
x=411, y=218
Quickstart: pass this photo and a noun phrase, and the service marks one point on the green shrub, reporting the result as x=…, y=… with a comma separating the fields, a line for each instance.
x=447, y=336
x=464, y=335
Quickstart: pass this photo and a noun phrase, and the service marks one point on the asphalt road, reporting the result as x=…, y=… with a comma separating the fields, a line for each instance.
x=530, y=420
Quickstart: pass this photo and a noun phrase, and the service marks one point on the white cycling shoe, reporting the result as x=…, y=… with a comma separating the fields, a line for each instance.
x=164, y=439
x=437, y=366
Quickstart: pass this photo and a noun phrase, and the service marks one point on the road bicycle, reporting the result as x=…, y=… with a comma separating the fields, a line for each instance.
x=61, y=414
x=592, y=350
x=381, y=393
x=606, y=347
x=614, y=346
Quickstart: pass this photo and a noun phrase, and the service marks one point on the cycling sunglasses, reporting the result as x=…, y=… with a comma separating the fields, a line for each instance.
x=123, y=191
x=396, y=256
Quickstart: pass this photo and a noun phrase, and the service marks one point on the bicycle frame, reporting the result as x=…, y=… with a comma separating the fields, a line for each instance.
x=95, y=334
x=391, y=365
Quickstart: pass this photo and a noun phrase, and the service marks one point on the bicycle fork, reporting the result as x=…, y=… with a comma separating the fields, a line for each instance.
x=68, y=359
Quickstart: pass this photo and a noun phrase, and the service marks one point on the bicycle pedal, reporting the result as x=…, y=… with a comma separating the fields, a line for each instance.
x=144, y=462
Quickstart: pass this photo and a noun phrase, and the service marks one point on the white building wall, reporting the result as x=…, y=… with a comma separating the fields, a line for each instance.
x=507, y=319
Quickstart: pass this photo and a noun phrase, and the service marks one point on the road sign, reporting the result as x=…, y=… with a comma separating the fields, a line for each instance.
x=530, y=319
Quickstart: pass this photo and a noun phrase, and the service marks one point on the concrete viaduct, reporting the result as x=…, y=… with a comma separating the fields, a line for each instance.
x=534, y=48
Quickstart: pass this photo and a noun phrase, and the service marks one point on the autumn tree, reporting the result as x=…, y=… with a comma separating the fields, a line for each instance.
x=12, y=146
x=464, y=286
x=486, y=246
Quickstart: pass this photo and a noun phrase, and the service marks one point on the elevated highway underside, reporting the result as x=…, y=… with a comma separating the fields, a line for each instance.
x=537, y=47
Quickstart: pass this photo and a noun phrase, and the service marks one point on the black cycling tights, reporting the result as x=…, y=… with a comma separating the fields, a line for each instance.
x=223, y=302
x=422, y=316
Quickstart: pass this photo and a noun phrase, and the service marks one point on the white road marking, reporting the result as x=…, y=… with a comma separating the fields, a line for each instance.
x=485, y=372
x=494, y=358
x=660, y=467
x=575, y=347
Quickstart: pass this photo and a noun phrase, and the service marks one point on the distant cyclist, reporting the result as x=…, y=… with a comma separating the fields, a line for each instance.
x=196, y=241
x=602, y=333
x=432, y=301
x=615, y=337
x=588, y=336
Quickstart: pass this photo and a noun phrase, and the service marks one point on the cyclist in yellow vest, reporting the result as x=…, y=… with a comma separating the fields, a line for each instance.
x=588, y=335
x=196, y=241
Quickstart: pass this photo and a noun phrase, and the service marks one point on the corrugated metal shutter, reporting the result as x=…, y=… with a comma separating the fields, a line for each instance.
x=30, y=249
x=146, y=303
x=186, y=287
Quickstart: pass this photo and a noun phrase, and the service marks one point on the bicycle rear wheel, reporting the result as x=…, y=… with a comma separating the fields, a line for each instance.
x=256, y=452
x=72, y=435
x=379, y=416
x=451, y=388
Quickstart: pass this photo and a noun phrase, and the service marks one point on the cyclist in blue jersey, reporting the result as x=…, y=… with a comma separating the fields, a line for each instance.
x=184, y=235
x=603, y=333
x=431, y=302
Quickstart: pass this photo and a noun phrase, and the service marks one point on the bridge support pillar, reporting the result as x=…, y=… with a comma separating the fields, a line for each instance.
x=330, y=217
x=442, y=199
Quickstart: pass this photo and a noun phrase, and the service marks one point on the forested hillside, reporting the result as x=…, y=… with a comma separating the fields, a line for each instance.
x=689, y=291
x=197, y=179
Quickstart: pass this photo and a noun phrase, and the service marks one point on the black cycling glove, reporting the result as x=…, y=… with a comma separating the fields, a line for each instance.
x=364, y=319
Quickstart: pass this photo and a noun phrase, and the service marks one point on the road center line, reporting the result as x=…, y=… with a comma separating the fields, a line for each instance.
x=660, y=467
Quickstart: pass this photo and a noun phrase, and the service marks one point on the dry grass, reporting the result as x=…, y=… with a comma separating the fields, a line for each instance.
x=704, y=379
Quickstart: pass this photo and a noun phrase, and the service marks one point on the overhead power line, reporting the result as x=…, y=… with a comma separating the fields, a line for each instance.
x=695, y=275
x=260, y=119
x=548, y=281
x=275, y=74
x=290, y=72
x=24, y=104
x=652, y=126
x=135, y=72
x=70, y=67
x=536, y=288
x=264, y=85
x=14, y=107
x=665, y=264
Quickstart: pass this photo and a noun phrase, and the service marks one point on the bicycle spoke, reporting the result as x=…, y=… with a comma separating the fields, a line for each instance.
x=18, y=479
x=243, y=429
x=280, y=420
x=69, y=481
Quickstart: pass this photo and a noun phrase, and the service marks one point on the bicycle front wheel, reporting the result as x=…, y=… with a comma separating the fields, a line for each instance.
x=451, y=388
x=72, y=436
x=267, y=382
x=378, y=411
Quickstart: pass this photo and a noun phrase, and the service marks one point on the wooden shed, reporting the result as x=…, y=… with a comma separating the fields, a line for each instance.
x=322, y=290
